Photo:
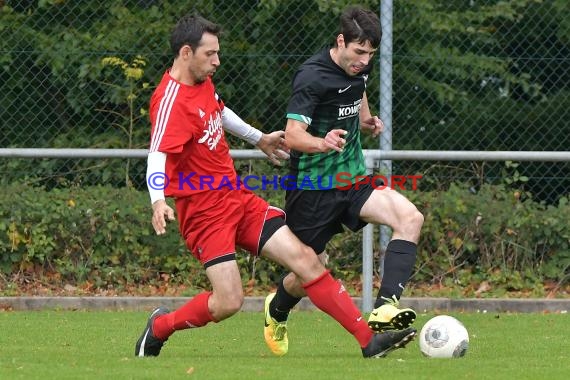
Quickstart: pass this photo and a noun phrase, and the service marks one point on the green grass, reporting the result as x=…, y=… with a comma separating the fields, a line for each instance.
x=100, y=345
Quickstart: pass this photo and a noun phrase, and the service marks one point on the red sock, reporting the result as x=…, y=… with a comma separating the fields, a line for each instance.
x=194, y=313
x=331, y=297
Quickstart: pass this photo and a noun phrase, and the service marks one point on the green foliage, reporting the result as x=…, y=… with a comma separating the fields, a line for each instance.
x=474, y=75
x=132, y=124
x=458, y=45
x=98, y=234
x=103, y=236
x=477, y=75
x=491, y=236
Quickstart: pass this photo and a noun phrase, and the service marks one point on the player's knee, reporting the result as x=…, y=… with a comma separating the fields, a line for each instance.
x=413, y=225
x=324, y=258
x=293, y=285
x=416, y=218
x=231, y=305
x=409, y=216
x=409, y=222
x=308, y=260
x=314, y=263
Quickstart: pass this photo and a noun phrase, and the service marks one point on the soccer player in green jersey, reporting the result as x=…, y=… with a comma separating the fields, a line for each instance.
x=329, y=187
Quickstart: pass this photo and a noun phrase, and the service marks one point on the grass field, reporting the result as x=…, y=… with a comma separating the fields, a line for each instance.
x=100, y=345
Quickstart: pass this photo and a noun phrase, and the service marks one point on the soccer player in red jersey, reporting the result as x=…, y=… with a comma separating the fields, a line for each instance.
x=189, y=152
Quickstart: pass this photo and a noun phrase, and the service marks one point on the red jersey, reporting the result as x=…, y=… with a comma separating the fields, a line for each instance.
x=187, y=126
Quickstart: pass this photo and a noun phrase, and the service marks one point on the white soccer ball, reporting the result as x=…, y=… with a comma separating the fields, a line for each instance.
x=444, y=337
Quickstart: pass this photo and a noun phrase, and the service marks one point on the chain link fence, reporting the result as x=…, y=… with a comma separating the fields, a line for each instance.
x=467, y=75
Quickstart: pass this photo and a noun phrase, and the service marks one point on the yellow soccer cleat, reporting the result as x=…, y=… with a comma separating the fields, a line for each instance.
x=275, y=332
x=390, y=317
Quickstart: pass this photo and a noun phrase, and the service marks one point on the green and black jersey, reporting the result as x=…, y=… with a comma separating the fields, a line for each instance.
x=325, y=97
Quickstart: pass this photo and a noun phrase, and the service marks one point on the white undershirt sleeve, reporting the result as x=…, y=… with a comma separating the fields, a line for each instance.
x=156, y=175
x=237, y=127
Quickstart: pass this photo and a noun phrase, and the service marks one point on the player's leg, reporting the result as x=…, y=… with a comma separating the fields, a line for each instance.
x=328, y=294
x=277, y=308
x=209, y=235
x=313, y=216
x=289, y=292
x=388, y=207
x=263, y=230
x=223, y=301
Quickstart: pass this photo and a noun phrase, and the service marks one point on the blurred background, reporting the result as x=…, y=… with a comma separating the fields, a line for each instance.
x=467, y=75
x=479, y=75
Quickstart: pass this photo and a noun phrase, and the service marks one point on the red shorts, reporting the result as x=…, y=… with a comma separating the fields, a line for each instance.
x=214, y=222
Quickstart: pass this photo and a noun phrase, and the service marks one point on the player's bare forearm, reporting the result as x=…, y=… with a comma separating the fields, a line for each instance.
x=364, y=109
x=373, y=125
x=369, y=123
x=297, y=138
x=302, y=141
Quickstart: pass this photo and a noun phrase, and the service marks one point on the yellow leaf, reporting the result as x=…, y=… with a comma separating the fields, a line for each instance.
x=457, y=243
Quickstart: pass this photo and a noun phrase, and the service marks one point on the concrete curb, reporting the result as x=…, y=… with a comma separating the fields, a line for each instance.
x=421, y=305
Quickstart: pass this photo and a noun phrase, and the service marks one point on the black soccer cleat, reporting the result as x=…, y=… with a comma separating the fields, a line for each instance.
x=148, y=344
x=385, y=342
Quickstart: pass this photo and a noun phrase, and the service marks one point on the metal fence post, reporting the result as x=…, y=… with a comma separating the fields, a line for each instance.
x=367, y=254
x=386, y=21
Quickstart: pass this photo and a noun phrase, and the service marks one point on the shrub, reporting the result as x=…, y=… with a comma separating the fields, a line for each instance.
x=102, y=236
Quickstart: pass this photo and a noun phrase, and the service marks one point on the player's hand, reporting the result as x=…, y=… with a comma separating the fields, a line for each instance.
x=273, y=145
x=373, y=124
x=161, y=213
x=335, y=140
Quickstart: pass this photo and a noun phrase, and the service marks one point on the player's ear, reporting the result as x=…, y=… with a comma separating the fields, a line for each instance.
x=340, y=40
x=185, y=51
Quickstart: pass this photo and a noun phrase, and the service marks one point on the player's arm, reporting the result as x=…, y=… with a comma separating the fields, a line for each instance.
x=308, y=90
x=368, y=122
x=272, y=144
x=239, y=128
x=297, y=138
x=156, y=181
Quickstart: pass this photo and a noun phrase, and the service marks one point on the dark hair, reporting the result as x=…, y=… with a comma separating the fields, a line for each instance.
x=360, y=25
x=189, y=30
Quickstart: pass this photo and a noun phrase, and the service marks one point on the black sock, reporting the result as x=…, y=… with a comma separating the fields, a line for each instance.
x=399, y=263
x=282, y=303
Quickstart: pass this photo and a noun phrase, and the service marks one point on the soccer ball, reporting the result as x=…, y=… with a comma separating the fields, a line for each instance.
x=444, y=337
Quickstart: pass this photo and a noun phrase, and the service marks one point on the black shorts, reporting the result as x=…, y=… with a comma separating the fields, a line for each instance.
x=315, y=216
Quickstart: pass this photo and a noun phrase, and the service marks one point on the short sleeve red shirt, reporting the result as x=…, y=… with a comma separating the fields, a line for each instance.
x=187, y=126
